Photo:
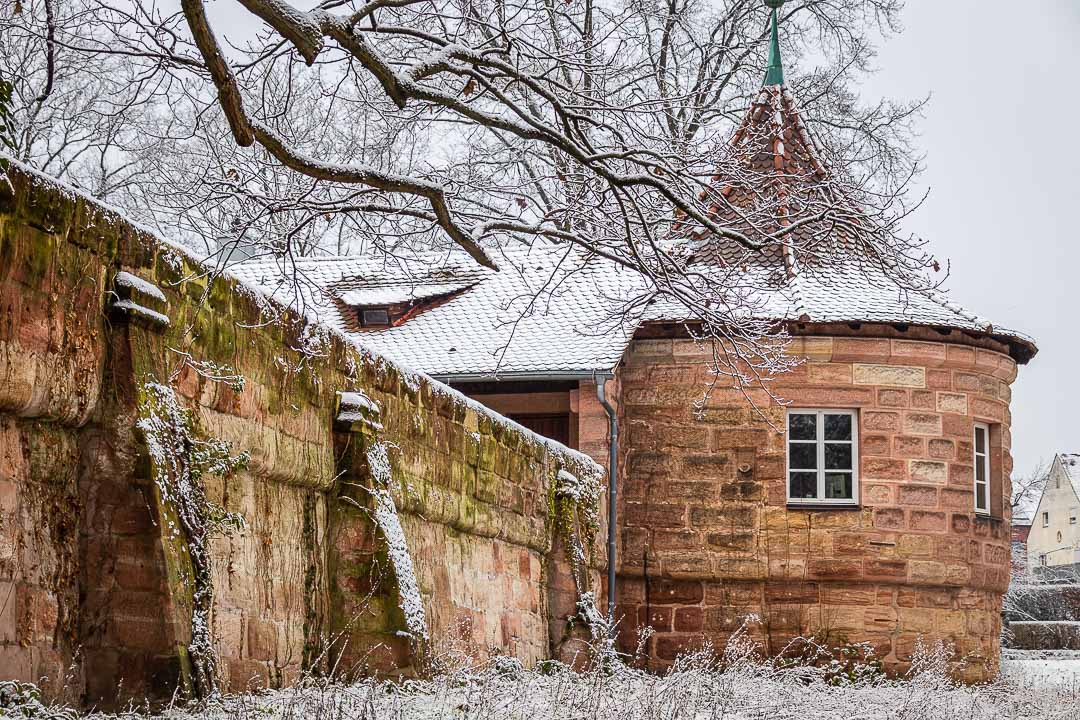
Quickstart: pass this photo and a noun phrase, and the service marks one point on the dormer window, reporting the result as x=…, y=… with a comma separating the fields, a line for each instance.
x=372, y=317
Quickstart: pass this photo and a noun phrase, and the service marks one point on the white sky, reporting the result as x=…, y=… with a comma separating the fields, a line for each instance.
x=1002, y=163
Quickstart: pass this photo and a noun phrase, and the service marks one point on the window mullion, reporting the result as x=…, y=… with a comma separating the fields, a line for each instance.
x=821, y=456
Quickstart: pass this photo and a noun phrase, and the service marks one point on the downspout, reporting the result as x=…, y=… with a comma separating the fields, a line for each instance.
x=613, y=473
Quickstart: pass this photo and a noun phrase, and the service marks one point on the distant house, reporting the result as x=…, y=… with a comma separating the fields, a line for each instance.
x=1054, y=535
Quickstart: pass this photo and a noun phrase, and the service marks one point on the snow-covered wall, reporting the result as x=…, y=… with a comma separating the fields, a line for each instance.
x=188, y=493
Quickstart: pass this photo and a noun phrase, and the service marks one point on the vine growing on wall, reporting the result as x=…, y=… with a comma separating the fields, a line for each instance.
x=576, y=510
x=181, y=457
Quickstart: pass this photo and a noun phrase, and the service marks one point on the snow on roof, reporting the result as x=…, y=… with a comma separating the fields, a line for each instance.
x=542, y=313
x=1070, y=465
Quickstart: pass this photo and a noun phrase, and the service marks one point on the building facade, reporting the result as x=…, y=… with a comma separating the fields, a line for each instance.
x=1054, y=535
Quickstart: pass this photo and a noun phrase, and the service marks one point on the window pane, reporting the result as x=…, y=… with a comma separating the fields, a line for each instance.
x=803, y=456
x=803, y=485
x=838, y=486
x=980, y=440
x=980, y=497
x=802, y=427
x=837, y=427
x=980, y=470
x=837, y=456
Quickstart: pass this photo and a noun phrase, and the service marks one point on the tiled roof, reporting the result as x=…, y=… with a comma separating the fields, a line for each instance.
x=540, y=314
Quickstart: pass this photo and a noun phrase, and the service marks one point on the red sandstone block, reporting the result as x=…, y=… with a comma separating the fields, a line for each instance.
x=861, y=350
x=884, y=468
x=875, y=445
x=653, y=515
x=961, y=523
x=923, y=400
x=984, y=409
x=877, y=494
x=839, y=397
x=924, y=495
x=735, y=541
x=797, y=593
x=927, y=520
x=834, y=569
x=956, y=499
x=726, y=439
x=840, y=594
x=908, y=447
x=877, y=420
x=961, y=475
x=884, y=569
x=919, y=352
x=658, y=618
x=674, y=541
x=938, y=379
x=889, y=519
x=681, y=592
x=941, y=449
x=888, y=397
x=689, y=619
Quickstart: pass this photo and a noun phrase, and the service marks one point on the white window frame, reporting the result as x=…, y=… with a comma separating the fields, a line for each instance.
x=984, y=459
x=820, y=443
x=1046, y=519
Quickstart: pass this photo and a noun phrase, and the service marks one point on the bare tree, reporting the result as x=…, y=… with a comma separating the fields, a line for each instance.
x=1027, y=489
x=70, y=114
x=411, y=123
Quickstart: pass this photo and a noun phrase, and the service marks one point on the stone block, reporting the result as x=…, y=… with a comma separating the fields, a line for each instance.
x=921, y=495
x=889, y=375
x=907, y=446
x=927, y=520
x=928, y=471
x=948, y=402
x=892, y=398
x=880, y=421
x=675, y=592
x=918, y=423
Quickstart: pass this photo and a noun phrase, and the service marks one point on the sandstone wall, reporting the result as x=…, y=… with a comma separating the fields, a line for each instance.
x=96, y=579
x=707, y=536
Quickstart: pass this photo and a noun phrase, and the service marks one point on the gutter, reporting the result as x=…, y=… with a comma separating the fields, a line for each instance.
x=613, y=473
x=554, y=375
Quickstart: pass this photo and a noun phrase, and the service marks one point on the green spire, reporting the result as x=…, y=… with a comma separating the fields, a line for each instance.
x=774, y=75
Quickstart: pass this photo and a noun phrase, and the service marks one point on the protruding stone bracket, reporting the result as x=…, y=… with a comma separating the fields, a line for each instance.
x=357, y=413
x=139, y=301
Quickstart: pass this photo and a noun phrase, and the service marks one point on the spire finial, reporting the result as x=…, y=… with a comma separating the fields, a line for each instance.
x=774, y=75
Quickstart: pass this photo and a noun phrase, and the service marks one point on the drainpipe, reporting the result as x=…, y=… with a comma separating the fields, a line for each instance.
x=613, y=472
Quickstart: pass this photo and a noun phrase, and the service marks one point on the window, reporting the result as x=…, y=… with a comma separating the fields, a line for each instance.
x=374, y=317
x=982, y=468
x=1046, y=519
x=1042, y=559
x=1072, y=516
x=823, y=455
x=1059, y=536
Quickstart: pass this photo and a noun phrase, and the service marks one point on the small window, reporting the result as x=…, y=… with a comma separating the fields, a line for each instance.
x=823, y=457
x=374, y=317
x=982, y=468
x=1042, y=559
x=1059, y=536
x=1046, y=519
x=1072, y=516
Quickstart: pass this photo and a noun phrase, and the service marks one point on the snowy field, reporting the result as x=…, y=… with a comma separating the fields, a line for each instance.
x=1036, y=685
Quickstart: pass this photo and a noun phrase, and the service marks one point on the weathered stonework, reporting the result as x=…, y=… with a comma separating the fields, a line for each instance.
x=707, y=536
x=96, y=575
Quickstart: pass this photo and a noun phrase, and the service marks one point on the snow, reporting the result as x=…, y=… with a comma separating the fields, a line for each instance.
x=1043, y=668
x=386, y=517
x=735, y=686
x=137, y=310
x=136, y=283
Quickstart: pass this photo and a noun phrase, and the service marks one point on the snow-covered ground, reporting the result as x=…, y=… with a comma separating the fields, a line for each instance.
x=1042, y=668
x=1034, y=686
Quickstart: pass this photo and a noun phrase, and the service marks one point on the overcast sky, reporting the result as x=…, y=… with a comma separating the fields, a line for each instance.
x=1002, y=162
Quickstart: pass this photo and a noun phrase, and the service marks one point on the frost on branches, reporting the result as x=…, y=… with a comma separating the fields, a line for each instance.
x=180, y=458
